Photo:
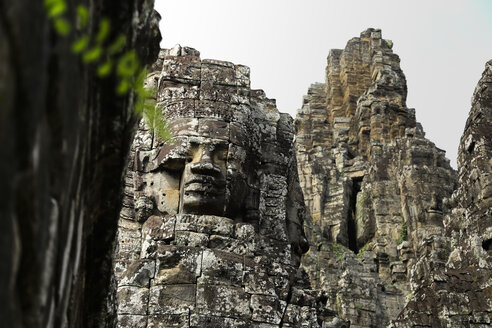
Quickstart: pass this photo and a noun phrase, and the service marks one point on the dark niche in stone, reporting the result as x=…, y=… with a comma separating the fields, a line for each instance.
x=352, y=215
x=487, y=245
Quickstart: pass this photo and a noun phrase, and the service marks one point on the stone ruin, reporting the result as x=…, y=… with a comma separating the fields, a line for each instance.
x=373, y=185
x=358, y=221
x=452, y=279
x=210, y=233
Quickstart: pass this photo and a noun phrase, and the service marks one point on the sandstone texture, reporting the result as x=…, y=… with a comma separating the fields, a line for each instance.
x=375, y=188
x=210, y=233
x=452, y=279
x=65, y=138
x=346, y=217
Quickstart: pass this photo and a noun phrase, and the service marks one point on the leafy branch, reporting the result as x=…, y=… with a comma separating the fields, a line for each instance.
x=109, y=59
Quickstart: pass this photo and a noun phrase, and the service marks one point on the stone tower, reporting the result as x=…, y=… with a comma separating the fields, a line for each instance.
x=452, y=279
x=374, y=186
x=210, y=234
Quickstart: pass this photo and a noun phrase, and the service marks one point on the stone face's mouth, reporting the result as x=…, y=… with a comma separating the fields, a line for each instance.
x=204, y=185
x=204, y=194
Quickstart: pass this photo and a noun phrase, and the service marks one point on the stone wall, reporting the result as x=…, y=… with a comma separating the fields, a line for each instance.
x=374, y=187
x=452, y=278
x=210, y=234
x=360, y=222
x=65, y=137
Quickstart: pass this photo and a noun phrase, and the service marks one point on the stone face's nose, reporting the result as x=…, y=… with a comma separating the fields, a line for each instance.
x=203, y=162
x=204, y=154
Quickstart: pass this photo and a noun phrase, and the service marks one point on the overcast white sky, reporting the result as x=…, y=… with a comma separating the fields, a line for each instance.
x=443, y=46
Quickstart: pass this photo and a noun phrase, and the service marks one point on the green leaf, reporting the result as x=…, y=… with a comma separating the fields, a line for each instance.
x=81, y=44
x=104, y=29
x=92, y=55
x=140, y=80
x=117, y=45
x=139, y=105
x=62, y=26
x=105, y=69
x=123, y=87
x=83, y=16
x=55, y=8
x=128, y=64
x=155, y=122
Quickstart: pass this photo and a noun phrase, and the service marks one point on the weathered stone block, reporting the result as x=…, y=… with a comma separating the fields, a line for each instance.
x=177, y=265
x=213, y=129
x=184, y=127
x=210, y=321
x=226, y=300
x=257, y=280
x=213, y=109
x=159, y=228
x=230, y=245
x=242, y=76
x=171, y=91
x=219, y=74
x=192, y=239
x=128, y=243
x=131, y=321
x=172, y=299
x=266, y=309
x=221, y=268
x=169, y=320
x=181, y=67
x=132, y=300
x=206, y=224
x=134, y=273
x=178, y=108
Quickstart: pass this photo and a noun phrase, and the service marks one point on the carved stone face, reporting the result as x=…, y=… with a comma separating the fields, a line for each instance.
x=204, y=172
x=203, y=183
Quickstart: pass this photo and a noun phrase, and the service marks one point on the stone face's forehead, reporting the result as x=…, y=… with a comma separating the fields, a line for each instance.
x=194, y=88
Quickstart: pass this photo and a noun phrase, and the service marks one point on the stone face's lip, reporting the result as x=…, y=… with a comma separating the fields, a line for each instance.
x=201, y=189
x=203, y=196
x=204, y=180
x=209, y=167
x=204, y=185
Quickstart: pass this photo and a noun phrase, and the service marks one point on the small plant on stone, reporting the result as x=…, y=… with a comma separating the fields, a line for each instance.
x=361, y=252
x=410, y=296
x=338, y=250
x=403, y=233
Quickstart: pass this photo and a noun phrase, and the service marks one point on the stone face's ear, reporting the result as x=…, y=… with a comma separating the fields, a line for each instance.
x=163, y=188
x=144, y=207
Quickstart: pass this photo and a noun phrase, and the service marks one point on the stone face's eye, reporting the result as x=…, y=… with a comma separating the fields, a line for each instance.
x=222, y=155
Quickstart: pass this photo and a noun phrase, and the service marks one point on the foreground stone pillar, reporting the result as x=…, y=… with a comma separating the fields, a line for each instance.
x=65, y=137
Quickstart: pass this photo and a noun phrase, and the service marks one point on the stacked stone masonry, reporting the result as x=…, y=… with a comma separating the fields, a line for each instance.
x=210, y=233
x=373, y=185
x=347, y=217
x=452, y=279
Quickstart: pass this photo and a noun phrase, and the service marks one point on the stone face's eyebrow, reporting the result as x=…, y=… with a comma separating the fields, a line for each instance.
x=208, y=141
